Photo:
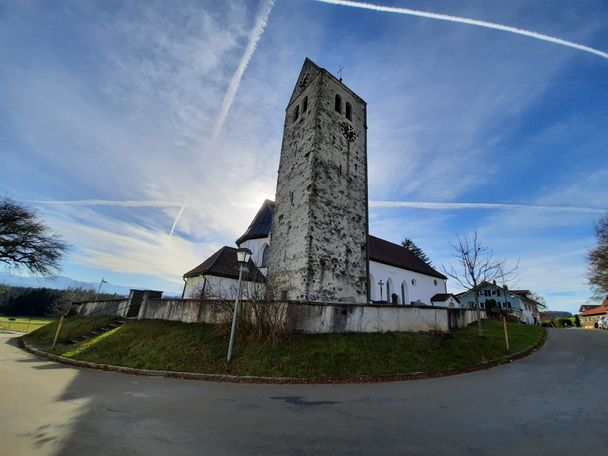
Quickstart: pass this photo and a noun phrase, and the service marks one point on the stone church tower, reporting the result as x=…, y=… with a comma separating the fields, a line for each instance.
x=320, y=224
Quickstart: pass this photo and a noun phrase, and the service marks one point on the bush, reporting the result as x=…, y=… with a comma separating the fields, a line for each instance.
x=562, y=322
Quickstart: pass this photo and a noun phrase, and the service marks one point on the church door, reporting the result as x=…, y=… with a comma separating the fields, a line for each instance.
x=394, y=299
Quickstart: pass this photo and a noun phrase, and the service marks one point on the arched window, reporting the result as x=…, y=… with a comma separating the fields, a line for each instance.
x=305, y=105
x=404, y=299
x=349, y=111
x=265, y=255
x=389, y=290
x=338, y=104
x=296, y=113
x=372, y=288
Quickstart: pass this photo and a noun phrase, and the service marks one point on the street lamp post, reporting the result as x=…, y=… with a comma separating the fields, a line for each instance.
x=381, y=284
x=242, y=256
x=99, y=288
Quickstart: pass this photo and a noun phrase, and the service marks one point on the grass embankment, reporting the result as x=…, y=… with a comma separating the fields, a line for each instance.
x=72, y=327
x=199, y=348
x=23, y=324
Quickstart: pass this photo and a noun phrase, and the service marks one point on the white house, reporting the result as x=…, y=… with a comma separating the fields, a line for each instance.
x=397, y=276
x=520, y=303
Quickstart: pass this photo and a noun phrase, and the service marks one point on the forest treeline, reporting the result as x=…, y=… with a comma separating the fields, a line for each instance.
x=25, y=301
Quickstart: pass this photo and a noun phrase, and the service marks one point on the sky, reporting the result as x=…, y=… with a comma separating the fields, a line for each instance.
x=148, y=133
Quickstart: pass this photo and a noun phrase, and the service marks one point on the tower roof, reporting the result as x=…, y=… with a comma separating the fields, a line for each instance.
x=312, y=69
x=260, y=225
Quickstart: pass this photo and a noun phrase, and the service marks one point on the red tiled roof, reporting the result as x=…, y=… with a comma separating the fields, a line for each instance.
x=599, y=310
x=586, y=307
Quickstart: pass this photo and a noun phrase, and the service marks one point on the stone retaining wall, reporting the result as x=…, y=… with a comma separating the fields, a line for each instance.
x=297, y=316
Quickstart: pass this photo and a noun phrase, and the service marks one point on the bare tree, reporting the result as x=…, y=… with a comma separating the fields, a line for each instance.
x=597, y=259
x=476, y=265
x=26, y=242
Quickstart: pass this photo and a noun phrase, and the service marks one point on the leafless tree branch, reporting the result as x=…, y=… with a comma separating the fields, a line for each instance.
x=26, y=242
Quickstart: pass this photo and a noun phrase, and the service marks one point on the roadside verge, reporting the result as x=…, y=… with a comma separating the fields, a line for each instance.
x=285, y=380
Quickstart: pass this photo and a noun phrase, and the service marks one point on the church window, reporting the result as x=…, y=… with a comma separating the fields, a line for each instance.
x=338, y=104
x=296, y=113
x=340, y=170
x=435, y=282
x=349, y=111
x=265, y=255
x=305, y=105
x=413, y=281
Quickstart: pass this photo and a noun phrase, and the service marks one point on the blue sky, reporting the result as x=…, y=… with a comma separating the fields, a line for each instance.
x=108, y=112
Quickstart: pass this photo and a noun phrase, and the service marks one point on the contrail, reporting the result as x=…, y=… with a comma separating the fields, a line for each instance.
x=100, y=202
x=179, y=214
x=453, y=206
x=254, y=38
x=464, y=20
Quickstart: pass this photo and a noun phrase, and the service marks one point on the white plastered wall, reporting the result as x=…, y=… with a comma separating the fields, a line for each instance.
x=257, y=247
x=423, y=288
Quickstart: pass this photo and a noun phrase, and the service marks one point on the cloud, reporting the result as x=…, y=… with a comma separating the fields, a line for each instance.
x=466, y=21
x=254, y=38
x=460, y=206
x=101, y=202
x=103, y=242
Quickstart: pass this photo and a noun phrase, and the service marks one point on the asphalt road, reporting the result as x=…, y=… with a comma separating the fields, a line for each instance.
x=552, y=402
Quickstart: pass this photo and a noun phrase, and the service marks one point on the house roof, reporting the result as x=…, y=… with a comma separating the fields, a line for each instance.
x=523, y=293
x=260, y=225
x=223, y=263
x=396, y=255
x=599, y=310
x=519, y=293
x=586, y=307
x=440, y=297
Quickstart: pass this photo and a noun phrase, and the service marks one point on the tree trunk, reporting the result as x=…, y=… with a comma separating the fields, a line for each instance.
x=479, y=328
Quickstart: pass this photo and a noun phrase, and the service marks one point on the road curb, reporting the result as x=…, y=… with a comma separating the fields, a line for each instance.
x=226, y=378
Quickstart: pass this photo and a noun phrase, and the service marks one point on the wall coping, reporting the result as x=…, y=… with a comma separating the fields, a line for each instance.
x=78, y=303
x=319, y=304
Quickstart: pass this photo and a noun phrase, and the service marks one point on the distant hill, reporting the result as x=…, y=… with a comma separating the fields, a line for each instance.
x=555, y=314
x=58, y=282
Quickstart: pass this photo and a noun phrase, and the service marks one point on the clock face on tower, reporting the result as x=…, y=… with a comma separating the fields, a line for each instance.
x=348, y=131
x=303, y=82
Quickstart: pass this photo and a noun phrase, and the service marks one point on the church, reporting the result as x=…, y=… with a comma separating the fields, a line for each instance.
x=313, y=241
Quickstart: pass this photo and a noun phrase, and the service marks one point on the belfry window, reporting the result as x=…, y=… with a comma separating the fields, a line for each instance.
x=296, y=113
x=305, y=105
x=338, y=104
x=349, y=111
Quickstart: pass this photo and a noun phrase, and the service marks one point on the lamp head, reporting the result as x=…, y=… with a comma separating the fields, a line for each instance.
x=243, y=255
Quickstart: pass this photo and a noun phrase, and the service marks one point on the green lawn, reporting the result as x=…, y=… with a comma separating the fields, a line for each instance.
x=23, y=324
x=197, y=347
x=72, y=327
